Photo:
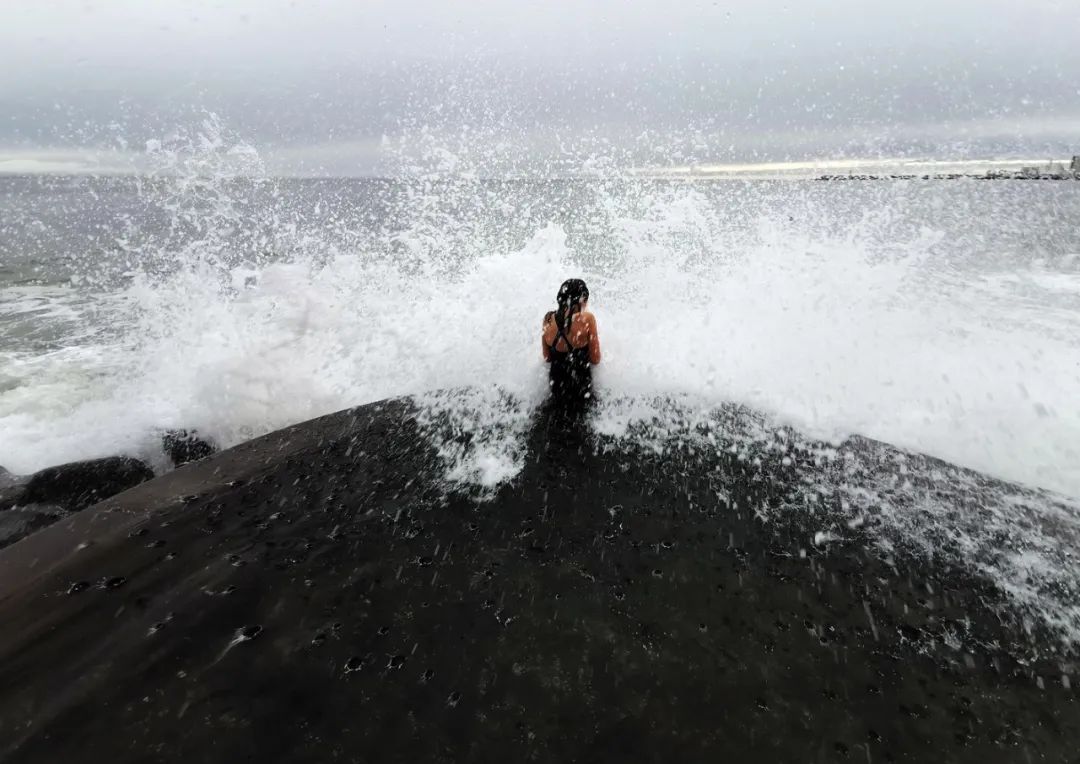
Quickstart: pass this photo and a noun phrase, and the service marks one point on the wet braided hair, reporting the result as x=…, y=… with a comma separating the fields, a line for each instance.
x=571, y=294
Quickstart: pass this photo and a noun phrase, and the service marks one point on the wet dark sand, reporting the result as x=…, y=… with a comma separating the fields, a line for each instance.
x=312, y=596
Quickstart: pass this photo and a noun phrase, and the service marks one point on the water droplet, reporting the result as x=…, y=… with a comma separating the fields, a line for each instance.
x=355, y=663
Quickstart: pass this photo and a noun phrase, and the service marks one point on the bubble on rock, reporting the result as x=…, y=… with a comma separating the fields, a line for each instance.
x=318, y=639
x=427, y=675
x=383, y=631
x=113, y=583
x=355, y=663
x=78, y=586
x=453, y=699
x=395, y=662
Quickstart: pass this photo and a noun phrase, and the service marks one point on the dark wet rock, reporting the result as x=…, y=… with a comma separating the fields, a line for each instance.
x=18, y=519
x=30, y=503
x=185, y=446
x=7, y=479
x=12, y=496
x=77, y=485
x=471, y=641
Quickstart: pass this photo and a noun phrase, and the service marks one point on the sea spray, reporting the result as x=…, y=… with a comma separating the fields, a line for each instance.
x=939, y=317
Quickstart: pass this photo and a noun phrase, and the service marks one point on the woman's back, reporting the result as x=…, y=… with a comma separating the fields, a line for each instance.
x=581, y=334
x=571, y=345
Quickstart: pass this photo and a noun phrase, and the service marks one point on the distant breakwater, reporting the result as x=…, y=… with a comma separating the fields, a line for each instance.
x=950, y=176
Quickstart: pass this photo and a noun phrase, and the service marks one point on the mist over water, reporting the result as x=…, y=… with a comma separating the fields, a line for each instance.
x=937, y=316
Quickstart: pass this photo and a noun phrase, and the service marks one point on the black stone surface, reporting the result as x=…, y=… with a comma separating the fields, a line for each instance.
x=77, y=485
x=185, y=446
x=317, y=595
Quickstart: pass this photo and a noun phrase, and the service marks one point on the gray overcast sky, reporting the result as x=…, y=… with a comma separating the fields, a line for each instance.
x=327, y=86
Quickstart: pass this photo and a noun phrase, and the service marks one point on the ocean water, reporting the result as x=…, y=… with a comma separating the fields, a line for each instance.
x=940, y=317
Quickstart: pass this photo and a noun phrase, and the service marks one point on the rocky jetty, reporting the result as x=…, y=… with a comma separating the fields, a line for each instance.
x=28, y=503
x=186, y=446
x=320, y=595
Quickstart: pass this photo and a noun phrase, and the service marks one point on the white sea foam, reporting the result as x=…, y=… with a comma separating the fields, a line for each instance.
x=829, y=335
x=876, y=328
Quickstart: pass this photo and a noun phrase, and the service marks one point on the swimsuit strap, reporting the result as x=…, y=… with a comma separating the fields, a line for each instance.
x=559, y=333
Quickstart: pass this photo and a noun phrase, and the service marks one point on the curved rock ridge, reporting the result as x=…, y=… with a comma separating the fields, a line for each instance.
x=318, y=594
x=30, y=502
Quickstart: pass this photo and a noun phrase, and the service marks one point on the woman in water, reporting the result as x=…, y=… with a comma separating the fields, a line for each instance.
x=571, y=344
